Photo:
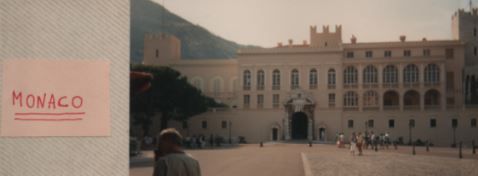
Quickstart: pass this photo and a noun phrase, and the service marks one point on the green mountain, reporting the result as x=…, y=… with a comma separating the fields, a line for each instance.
x=196, y=42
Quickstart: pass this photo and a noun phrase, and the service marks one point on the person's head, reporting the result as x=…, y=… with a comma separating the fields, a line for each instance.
x=169, y=140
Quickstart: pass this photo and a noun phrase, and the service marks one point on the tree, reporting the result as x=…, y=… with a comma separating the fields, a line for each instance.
x=170, y=95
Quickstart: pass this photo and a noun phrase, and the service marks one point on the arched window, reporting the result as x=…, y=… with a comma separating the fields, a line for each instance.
x=216, y=87
x=432, y=74
x=390, y=75
x=370, y=99
x=294, y=79
x=313, y=78
x=331, y=78
x=410, y=74
x=275, y=79
x=260, y=80
x=247, y=80
x=370, y=75
x=350, y=99
x=391, y=100
x=432, y=98
x=350, y=75
x=411, y=99
x=197, y=82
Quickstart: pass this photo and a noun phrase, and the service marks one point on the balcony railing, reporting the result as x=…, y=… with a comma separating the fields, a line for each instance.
x=351, y=108
x=370, y=85
x=246, y=87
x=275, y=87
x=432, y=84
x=313, y=86
x=432, y=107
x=391, y=107
x=390, y=85
x=331, y=86
x=350, y=86
x=411, y=107
x=371, y=108
x=260, y=87
x=411, y=85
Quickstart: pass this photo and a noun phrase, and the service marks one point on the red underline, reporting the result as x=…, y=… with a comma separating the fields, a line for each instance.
x=48, y=113
x=37, y=119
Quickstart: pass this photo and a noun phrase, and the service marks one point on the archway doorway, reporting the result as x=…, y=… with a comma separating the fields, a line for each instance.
x=322, y=134
x=299, y=125
x=275, y=133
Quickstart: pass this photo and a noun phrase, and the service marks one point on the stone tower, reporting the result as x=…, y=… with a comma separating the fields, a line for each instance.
x=327, y=38
x=160, y=48
x=464, y=28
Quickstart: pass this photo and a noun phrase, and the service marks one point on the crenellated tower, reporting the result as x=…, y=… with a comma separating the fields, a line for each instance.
x=326, y=38
x=464, y=28
x=160, y=47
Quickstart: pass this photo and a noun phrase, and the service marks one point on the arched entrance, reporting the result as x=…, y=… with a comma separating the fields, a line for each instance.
x=275, y=134
x=299, y=125
x=322, y=134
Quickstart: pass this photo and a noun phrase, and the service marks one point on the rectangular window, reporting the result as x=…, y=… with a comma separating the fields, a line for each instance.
x=370, y=123
x=407, y=53
x=426, y=52
x=450, y=81
x=391, y=123
x=454, y=123
x=331, y=100
x=247, y=101
x=433, y=123
x=275, y=100
x=387, y=53
x=368, y=54
x=260, y=101
x=350, y=123
x=224, y=124
x=350, y=54
x=185, y=124
x=204, y=124
x=157, y=53
x=449, y=53
x=473, y=123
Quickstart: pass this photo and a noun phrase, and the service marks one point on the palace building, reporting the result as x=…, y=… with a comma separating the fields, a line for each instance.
x=312, y=90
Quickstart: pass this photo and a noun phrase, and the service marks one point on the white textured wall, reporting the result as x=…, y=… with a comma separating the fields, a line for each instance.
x=72, y=29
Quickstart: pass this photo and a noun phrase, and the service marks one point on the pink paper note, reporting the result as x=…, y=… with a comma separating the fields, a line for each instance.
x=55, y=98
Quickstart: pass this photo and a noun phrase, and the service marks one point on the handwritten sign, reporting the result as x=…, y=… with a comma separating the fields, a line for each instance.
x=55, y=98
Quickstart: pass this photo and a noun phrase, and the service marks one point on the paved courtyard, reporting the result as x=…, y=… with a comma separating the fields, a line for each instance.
x=276, y=159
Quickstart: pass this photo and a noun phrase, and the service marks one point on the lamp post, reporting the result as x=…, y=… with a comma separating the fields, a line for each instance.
x=454, y=124
x=230, y=126
x=411, y=124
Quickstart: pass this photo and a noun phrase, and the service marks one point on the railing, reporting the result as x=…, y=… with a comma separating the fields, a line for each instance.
x=246, y=88
x=348, y=86
x=432, y=84
x=432, y=107
x=411, y=107
x=294, y=87
x=313, y=86
x=351, y=108
x=371, y=108
x=411, y=85
x=275, y=87
x=390, y=85
x=391, y=107
x=331, y=86
x=370, y=85
x=260, y=87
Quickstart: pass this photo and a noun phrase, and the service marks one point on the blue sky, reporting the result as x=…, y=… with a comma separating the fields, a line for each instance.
x=266, y=22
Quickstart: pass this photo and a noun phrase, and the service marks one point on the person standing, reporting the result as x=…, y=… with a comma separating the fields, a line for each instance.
x=353, y=143
x=173, y=161
x=360, y=141
x=372, y=140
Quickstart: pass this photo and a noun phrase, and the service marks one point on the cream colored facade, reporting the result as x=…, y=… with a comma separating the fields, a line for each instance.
x=324, y=86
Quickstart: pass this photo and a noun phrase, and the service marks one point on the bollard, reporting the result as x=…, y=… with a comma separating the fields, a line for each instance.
x=413, y=149
x=376, y=147
x=474, y=147
x=460, y=155
x=395, y=145
x=310, y=143
x=428, y=146
x=261, y=144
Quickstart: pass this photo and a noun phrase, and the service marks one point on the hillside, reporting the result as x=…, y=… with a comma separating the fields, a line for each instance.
x=196, y=42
